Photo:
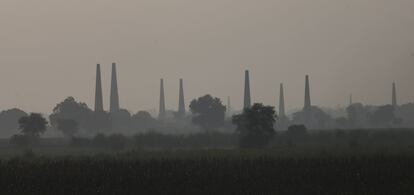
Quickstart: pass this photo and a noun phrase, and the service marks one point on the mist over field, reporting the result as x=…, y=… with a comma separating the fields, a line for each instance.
x=206, y=97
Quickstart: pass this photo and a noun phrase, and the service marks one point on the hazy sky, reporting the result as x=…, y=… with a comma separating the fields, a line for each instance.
x=49, y=49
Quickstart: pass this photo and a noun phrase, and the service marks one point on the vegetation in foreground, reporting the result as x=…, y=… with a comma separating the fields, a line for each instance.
x=209, y=172
x=301, y=162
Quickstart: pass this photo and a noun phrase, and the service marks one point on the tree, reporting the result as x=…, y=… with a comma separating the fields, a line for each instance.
x=315, y=118
x=143, y=120
x=208, y=112
x=69, y=127
x=358, y=115
x=9, y=120
x=406, y=114
x=70, y=109
x=384, y=116
x=255, y=126
x=33, y=125
x=120, y=120
x=100, y=121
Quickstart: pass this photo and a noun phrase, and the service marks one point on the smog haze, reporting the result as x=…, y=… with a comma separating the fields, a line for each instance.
x=49, y=50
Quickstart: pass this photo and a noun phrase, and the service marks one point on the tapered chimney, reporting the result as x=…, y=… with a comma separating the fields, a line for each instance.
x=394, y=95
x=282, y=112
x=307, y=106
x=98, y=90
x=161, y=114
x=228, y=107
x=181, y=103
x=247, y=98
x=114, y=102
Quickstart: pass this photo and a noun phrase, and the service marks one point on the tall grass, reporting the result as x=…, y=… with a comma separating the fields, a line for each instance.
x=209, y=172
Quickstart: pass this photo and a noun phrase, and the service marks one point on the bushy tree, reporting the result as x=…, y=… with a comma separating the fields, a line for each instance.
x=121, y=120
x=9, y=120
x=33, y=125
x=406, y=113
x=143, y=120
x=255, y=126
x=315, y=118
x=384, y=116
x=100, y=121
x=358, y=115
x=209, y=112
x=71, y=109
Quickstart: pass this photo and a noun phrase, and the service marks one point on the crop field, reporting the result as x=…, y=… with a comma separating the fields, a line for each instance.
x=209, y=172
x=321, y=162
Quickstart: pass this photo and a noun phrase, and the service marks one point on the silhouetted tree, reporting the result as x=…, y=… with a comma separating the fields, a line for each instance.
x=121, y=120
x=69, y=127
x=384, y=116
x=255, y=125
x=315, y=118
x=70, y=109
x=9, y=121
x=406, y=113
x=143, y=120
x=358, y=115
x=84, y=116
x=33, y=125
x=101, y=121
x=208, y=112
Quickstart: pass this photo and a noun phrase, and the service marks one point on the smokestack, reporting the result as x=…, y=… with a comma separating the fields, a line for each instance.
x=98, y=90
x=228, y=106
x=282, y=113
x=307, y=106
x=394, y=95
x=161, y=113
x=247, y=98
x=181, y=103
x=114, y=103
x=351, y=101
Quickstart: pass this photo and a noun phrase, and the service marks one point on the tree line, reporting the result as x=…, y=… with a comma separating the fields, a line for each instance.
x=255, y=125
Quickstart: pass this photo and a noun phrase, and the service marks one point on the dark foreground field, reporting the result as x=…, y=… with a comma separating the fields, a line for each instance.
x=209, y=172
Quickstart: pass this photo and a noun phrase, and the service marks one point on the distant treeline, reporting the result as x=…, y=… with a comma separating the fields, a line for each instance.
x=374, y=140
x=71, y=118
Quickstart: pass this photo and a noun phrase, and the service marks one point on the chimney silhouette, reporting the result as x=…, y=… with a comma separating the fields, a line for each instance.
x=282, y=112
x=98, y=90
x=394, y=95
x=181, y=103
x=228, y=107
x=161, y=114
x=247, y=98
x=307, y=106
x=114, y=102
